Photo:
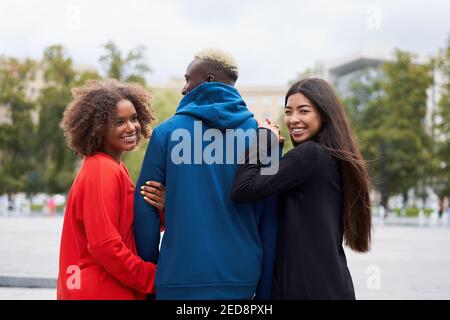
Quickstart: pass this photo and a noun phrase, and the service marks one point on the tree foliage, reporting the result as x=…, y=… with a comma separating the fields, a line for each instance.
x=16, y=130
x=443, y=124
x=388, y=113
x=130, y=67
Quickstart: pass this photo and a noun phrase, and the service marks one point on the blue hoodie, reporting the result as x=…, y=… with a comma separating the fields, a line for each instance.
x=212, y=247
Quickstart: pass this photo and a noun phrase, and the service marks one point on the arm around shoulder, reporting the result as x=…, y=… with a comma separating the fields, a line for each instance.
x=294, y=168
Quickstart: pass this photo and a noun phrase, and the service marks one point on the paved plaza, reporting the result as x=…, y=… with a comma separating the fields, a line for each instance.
x=406, y=262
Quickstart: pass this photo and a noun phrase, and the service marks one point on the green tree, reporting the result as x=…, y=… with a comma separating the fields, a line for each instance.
x=388, y=113
x=129, y=68
x=406, y=135
x=83, y=76
x=17, y=132
x=363, y=108
x=57, y=161
x=443, y=126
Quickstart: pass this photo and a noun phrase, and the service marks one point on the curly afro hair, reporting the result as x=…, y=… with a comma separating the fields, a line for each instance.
x=85, y=119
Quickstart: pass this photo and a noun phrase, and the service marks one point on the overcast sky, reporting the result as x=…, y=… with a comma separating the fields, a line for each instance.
x=272, y=40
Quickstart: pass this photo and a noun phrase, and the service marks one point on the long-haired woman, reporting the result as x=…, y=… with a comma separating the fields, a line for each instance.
x=323, y=193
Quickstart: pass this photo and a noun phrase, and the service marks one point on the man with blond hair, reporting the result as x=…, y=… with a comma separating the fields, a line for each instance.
x=212, y=247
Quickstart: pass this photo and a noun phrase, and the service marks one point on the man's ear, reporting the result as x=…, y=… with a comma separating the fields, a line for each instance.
x=210, y=78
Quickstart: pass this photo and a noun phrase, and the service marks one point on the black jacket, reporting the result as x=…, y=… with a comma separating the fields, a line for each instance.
x=310, y=260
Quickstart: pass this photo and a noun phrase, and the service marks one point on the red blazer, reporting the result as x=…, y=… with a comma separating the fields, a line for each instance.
x=98, y=255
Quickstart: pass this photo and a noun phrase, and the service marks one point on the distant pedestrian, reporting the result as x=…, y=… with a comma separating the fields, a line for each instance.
x=446, y=211
x=51, y=206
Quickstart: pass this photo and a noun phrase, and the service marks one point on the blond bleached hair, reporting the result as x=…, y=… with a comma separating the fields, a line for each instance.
x=219, y=60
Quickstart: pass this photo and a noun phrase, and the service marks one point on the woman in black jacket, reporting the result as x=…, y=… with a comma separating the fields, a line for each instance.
x=323, y=193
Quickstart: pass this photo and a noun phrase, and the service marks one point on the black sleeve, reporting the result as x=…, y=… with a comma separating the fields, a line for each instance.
x=294, y=169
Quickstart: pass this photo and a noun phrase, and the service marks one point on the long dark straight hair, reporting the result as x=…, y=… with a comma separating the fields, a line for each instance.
x=336, y=136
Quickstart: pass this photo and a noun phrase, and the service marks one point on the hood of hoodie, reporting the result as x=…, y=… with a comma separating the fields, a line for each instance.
x=217, y=104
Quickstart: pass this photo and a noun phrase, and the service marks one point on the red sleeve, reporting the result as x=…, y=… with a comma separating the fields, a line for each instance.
x=101, y=210
x=162, y=225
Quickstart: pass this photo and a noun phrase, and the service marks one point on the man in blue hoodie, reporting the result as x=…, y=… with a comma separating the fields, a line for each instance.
x=212, y=247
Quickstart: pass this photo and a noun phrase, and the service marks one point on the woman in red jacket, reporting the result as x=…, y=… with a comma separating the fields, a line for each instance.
x=98, y=255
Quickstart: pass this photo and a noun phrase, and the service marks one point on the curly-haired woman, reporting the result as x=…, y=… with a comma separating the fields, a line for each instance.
x=98, y=255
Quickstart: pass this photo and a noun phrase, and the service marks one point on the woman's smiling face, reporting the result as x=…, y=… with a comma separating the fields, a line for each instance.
x=302, y=118
x=123, y=129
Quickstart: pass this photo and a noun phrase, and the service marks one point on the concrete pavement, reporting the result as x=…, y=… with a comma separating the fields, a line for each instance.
x=406, y=262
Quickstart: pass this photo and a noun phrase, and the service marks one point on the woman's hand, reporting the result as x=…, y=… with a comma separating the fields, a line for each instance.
x=154, y=194
x=274, y=128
